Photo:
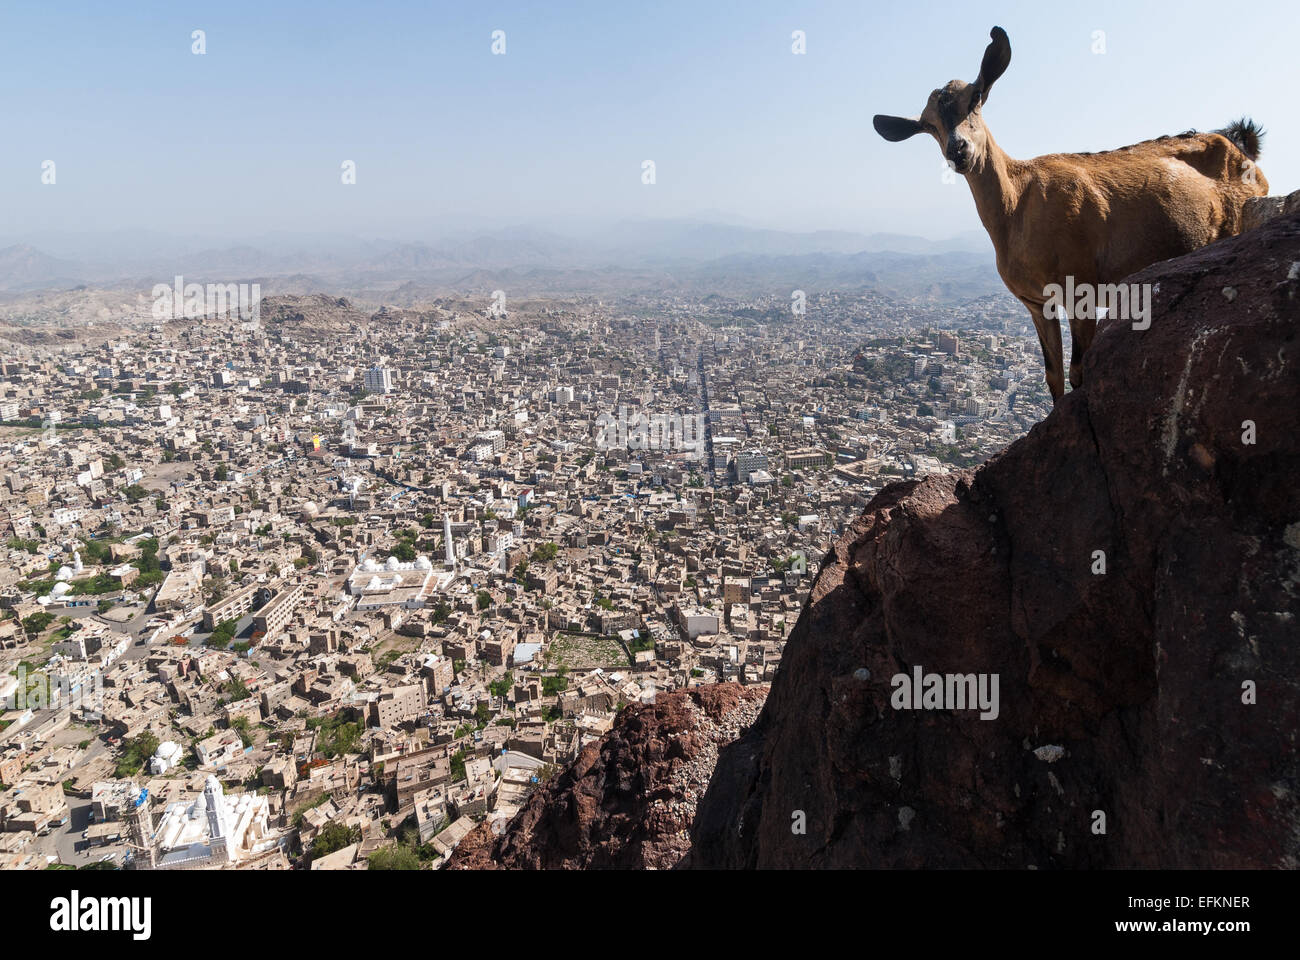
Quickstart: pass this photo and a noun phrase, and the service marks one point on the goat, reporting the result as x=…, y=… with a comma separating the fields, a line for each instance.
x=1092, y=217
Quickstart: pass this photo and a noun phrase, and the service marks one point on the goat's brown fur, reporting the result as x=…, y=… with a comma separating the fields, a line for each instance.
x=1097, y=217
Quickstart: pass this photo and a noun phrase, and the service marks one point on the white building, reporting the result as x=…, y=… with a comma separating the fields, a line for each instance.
x=213, y=831
x=394, y=583
x=699, y=622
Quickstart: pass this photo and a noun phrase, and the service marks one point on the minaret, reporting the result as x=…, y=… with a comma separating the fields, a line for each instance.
x=450, y=554
x=140, y=824
x=215, y=799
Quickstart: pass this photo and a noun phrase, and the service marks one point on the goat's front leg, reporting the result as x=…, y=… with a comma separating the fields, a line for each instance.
x=1049, y=338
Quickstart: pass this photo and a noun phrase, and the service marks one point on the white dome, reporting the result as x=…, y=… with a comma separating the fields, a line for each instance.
x=393, y=564
x=60, y=589
x=370, y=564
x=65, y=573
x=423, y=564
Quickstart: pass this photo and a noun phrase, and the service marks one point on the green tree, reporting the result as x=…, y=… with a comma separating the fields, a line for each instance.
x=398, y=856
x=458, y=765
x=333, y=837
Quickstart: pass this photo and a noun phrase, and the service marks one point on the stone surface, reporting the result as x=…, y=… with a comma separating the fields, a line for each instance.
x=629, y=799
x=1259, y=210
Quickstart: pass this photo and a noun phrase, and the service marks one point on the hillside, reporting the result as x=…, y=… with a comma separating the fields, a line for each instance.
x=629, y=799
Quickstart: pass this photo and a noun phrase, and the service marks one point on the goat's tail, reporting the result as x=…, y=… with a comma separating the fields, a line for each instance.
x=1246, y=134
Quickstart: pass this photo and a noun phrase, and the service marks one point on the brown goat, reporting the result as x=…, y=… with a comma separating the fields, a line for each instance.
x=1085, y=219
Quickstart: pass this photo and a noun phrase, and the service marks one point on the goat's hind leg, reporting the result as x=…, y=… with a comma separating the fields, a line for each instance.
x=1082, y=330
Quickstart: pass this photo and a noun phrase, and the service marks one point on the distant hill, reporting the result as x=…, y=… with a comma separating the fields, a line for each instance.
x=627, y=255
x=23, y=267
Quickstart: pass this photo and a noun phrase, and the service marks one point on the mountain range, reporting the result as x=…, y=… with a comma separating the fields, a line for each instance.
x=622, y=256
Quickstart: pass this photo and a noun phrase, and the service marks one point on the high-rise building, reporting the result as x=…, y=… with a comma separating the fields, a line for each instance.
x=747, y=462
x=379, y=380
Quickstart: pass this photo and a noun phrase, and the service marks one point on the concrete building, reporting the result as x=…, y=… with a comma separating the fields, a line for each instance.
x=398, y=705
x=269, y=621
x=379, y=380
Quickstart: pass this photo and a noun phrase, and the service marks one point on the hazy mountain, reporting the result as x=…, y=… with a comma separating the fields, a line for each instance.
x=686, y=255
x=23, y=267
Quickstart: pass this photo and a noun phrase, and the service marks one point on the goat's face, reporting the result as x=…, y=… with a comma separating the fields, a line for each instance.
x=952, y=114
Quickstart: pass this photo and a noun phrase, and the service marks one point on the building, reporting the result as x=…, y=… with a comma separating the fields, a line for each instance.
x=275, y=616
x=220, y=748
x=214, y=830
x=111, y=799
x=805, y=458
x=747, y=462
x=495, y=439
x=398, y=705
x=698, y=622
x=394, y=583
x=379, y=380
x=441, y=673
x=235, y=606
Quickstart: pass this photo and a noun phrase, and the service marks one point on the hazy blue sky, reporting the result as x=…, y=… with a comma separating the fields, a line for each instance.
x=250, y=136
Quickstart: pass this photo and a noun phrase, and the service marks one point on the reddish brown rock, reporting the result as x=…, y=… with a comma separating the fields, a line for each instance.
x=1121, y=693
x=628, y=800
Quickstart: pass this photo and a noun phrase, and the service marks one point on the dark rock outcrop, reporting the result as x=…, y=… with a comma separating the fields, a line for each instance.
x=1124, y=695
x=628, y=800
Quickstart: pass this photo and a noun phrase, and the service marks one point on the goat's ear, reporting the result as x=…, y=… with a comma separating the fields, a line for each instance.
x=997, y=57
x=895, y=128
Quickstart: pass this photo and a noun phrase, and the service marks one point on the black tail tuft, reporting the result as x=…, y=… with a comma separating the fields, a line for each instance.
x=1246, y=134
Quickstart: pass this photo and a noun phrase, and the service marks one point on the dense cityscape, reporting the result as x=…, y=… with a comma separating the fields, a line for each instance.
x=330, y=586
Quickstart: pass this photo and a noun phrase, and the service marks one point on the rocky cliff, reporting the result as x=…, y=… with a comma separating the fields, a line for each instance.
x=1128, y=572
x=629, y=799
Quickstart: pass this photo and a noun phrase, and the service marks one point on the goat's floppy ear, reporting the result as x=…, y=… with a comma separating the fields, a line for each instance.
x=895, y=128
x=997, y=56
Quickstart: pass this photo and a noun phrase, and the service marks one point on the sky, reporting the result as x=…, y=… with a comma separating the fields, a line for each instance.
x=249, y=138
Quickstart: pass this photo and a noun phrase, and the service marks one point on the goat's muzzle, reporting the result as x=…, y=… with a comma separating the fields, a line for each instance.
x=959, y=154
